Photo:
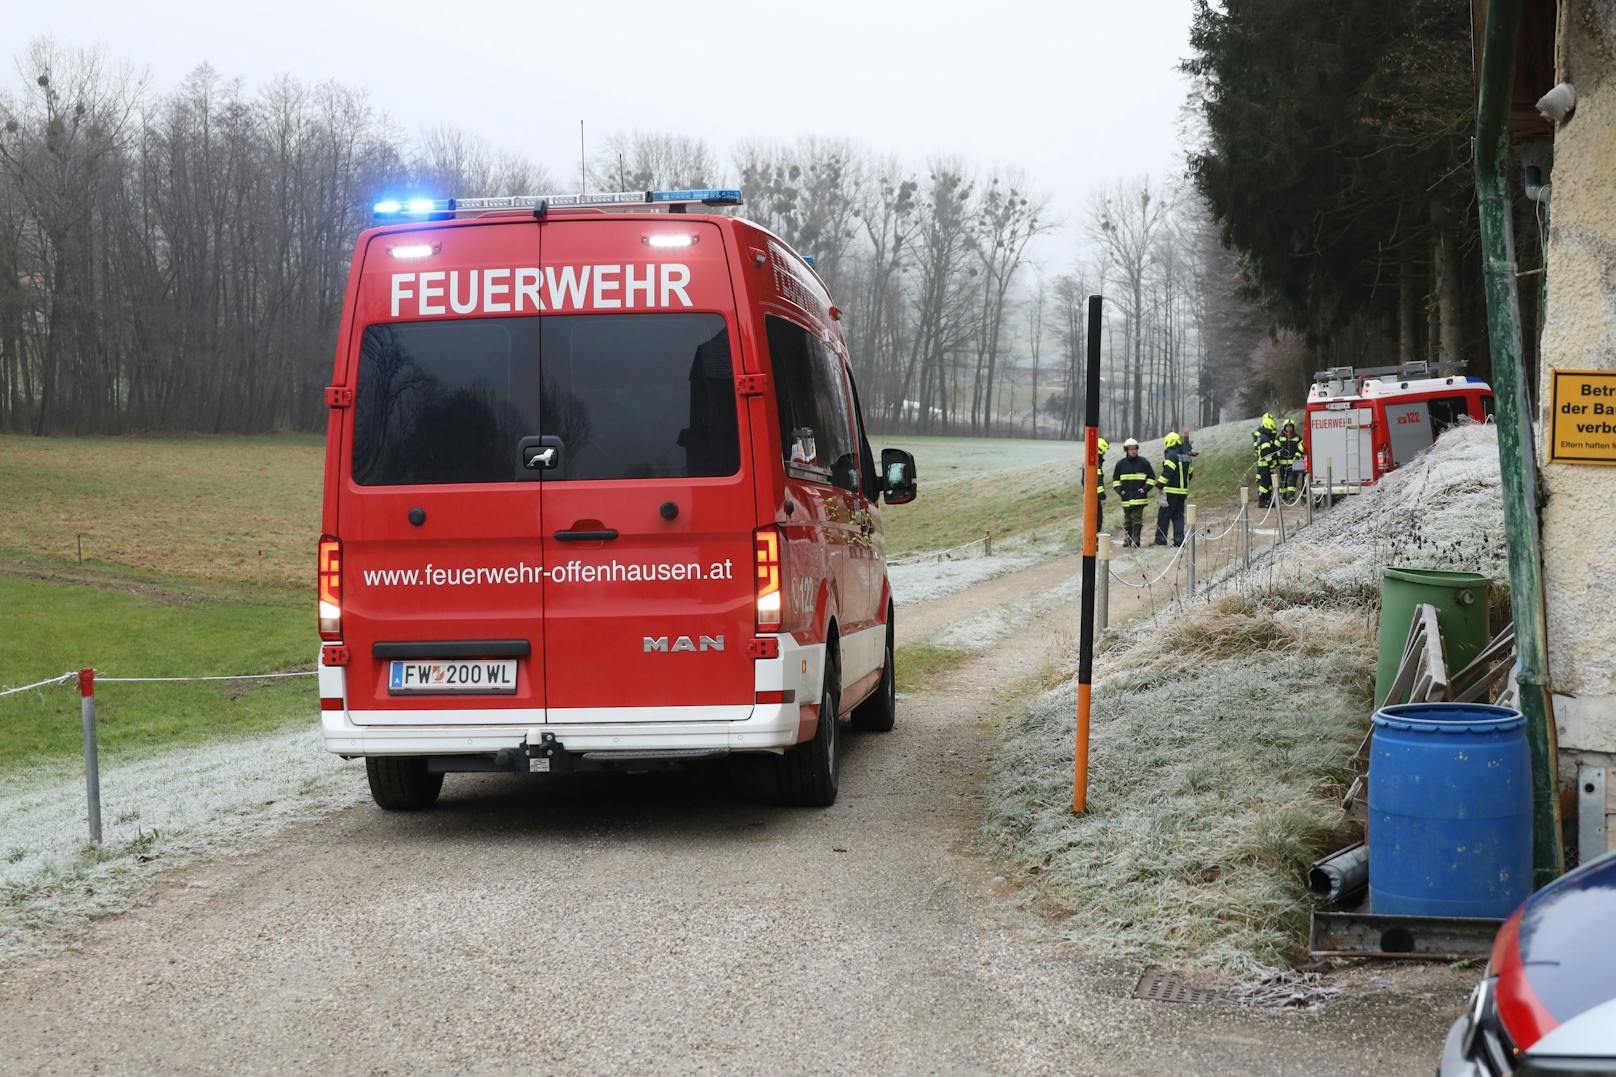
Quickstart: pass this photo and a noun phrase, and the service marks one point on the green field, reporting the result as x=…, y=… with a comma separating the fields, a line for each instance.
x=123, y=627
x=220, y=509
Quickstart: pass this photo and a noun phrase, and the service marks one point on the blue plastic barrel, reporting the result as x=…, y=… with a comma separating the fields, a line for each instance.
x=1450, y=811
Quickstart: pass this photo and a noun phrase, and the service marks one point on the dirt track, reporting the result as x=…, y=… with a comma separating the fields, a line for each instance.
x=664, y=924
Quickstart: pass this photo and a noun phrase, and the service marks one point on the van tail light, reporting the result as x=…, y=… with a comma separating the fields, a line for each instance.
x=770, y=593
x=328, y=578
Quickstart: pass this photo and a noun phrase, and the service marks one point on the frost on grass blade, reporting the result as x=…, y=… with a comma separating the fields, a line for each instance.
x=160, y=811
x=1222, y=732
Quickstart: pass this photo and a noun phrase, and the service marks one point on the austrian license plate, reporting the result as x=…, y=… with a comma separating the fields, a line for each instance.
x=459, y=677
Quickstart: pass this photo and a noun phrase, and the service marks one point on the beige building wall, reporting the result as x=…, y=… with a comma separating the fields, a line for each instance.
x=1579, y=521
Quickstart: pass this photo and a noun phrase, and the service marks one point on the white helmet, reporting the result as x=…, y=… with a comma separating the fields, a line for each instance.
x=1130, y=444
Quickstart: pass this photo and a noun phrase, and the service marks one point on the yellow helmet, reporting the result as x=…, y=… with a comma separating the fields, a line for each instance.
x=1105, y=446
x=1268, y=421
x=1172, y=438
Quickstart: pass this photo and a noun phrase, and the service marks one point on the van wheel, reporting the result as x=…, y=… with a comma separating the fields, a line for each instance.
x=402, y=783
x=876, y=714
x=809, y=773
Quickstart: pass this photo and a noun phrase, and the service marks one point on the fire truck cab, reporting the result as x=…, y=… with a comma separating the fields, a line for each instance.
x=598, y=495
x=1365, y=422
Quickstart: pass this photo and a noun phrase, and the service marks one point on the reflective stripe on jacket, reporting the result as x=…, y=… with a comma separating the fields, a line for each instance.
x=1265, y=447
x=1176, y=473
x=1133, y=480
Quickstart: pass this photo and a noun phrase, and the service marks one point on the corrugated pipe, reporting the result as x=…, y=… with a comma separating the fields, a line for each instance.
x=1341, y=874
x=1515, y=443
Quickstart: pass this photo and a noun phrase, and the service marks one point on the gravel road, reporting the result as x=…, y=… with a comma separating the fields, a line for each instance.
x=678, y=923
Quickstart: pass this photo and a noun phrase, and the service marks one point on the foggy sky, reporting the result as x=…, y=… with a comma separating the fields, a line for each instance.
x=1076, y=92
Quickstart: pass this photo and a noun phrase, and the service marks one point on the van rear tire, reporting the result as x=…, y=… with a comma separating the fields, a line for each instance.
x=809, y=774
x=876, y=714
x=402, y=783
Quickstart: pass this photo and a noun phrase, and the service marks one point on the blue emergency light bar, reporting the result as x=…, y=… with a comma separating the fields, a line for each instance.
x=415, y=209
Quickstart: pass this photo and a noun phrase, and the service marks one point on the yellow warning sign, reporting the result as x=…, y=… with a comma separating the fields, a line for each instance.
x=1584, y=427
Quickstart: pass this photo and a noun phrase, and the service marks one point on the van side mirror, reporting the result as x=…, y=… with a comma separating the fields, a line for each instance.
x=897, y=476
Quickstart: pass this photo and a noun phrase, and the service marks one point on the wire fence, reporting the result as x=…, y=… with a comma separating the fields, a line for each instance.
x=100, y=679
x=952, y=553
x=46, y=683
x=86, y=680
x=1240, y=557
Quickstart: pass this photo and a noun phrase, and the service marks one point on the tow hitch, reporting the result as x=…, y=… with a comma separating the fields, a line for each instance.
x=550, y=756
x=544, y=756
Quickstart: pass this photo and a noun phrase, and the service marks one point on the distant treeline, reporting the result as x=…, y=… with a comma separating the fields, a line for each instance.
x=177, y=261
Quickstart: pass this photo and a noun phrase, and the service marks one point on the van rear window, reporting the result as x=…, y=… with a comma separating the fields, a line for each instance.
x=631, y=396
x=640, y=396
x=445, y=401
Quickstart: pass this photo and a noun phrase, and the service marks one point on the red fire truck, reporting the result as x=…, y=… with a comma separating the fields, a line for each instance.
x=1365, y=422
x=598, y=495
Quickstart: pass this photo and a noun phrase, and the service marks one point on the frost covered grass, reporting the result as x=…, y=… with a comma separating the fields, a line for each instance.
x=980, y=632
x=158, y=812
x=944, y=458
x=1443, y=510
x=922, y=581
x=1222, y=731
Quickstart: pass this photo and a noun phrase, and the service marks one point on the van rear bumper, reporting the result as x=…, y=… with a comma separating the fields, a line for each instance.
x=771, y=727
x=796, y=673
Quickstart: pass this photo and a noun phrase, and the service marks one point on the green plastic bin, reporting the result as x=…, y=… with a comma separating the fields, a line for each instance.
x=1461, y=600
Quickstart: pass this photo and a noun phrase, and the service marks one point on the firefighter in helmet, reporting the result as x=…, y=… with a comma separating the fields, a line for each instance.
x=1265, y=448
x=1289, y=456
x=1133, y=480
x=1176, y=472
x=1099, y=505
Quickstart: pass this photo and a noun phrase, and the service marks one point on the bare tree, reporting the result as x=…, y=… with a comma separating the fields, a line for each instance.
x=1126, y=221
x=640, y=161
x=1007, y=219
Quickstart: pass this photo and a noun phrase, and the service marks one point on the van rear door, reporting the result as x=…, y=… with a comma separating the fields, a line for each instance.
x=649, y=512
x=439, y=518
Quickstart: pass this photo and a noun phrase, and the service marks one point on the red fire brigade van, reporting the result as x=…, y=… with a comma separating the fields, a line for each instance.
x=598, y=494
x=1362, y=423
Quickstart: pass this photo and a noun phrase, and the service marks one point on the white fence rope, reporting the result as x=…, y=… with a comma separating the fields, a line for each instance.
x=64, y=678
x=231, y=677
x=936, y=555
x=1232, y=523
x=99, y=679
x=1149, y=582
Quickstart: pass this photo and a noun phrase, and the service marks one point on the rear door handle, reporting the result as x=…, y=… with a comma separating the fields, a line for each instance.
x=604, y=535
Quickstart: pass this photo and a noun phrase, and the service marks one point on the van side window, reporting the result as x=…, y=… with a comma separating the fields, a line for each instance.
x=831, y=384
x=815, y=429
x=440, y=402
x=1446, y=411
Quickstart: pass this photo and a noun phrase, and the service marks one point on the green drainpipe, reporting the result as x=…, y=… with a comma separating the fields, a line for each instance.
x=1515, y=445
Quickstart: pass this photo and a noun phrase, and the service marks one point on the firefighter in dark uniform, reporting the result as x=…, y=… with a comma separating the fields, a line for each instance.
x=1133, y=480
x=1099, y=516
x=1265, y=448
x=1176, y=472
x=1288, y=456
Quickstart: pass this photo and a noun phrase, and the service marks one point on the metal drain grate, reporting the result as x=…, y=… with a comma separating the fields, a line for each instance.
x=1165, y=985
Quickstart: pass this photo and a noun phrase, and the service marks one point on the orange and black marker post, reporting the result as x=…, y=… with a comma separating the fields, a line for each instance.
x=1091, y=550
